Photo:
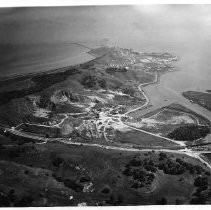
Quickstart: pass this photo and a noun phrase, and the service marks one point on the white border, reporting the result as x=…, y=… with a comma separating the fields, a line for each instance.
x=152, y=207
x=30, y=3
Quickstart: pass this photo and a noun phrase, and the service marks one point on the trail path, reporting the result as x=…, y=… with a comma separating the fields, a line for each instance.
x=189, y=152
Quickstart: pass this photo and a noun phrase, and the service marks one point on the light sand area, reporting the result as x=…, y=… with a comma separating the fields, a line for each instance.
x=175, y=120
x=40, y=112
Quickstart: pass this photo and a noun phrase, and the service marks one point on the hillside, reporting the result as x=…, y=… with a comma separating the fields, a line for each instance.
x=57, y=91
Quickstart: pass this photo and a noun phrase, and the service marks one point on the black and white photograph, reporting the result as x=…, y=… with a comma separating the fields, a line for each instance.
x=105, y=105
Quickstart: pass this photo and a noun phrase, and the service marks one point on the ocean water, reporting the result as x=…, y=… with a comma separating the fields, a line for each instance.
x=29, y=58
x=40, y=39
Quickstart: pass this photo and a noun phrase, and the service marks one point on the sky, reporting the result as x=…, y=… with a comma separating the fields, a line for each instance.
x=72, y=24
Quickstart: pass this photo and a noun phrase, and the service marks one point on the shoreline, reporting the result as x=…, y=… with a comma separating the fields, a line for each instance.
x=16, y=76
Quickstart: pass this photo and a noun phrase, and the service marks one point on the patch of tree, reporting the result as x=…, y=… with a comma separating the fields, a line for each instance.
x=57, y=161
x=147, y=164
x=105, y=190
x=10, y=200
x=136, y=162
x=25, y=201
x=198, y=200
x=201, y=182
x=5, y=83
x=41, y=81
x=162, y=156
x=46, y=103
x=85, y=179
x=178, y=166
x=4, y=201
x=191, y=168
x=162, y=201
x=140, y=172
x=58, y=178
x=17, y=151
x=73, y=185
x=207, y=173
x=91, y=81
x=179, y=201
x=46, y=80
x=172, y=167
x=130, y=91
x=115, y=199
x=202, y=194
x=189, y=132
x=14, y=154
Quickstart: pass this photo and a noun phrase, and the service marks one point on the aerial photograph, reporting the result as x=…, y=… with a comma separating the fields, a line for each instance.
x=105, y=105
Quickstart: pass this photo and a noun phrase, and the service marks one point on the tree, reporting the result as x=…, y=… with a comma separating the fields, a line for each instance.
x=201, y=181
x=162, y=201
x=162, y=156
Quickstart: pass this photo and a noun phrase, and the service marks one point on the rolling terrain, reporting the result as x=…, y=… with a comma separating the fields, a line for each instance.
x=82, y=130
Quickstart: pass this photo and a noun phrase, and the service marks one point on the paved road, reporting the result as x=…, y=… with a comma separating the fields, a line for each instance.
x=189, y=152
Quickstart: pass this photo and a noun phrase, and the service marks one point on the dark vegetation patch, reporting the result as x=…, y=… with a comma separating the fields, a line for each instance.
x=48, y=132
x=201, y=194
x=105, y=190
x=85, y=179
x=41, y=82
x=189, y=132
x=91, y=81
x=112, y=70
x=45, y=102
x=208, y=156
x=141, y=177
x=73, y=185
x=67, y=108
x=100, y=51
x=15, y=111
x=118, y=178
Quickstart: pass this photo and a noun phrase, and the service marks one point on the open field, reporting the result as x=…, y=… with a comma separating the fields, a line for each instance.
x=203, y=99
x=168, y=120
x=66, y=173
x=142, y=139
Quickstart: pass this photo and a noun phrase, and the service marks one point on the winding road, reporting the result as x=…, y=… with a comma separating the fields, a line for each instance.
x=186, y=151
x=189, y=152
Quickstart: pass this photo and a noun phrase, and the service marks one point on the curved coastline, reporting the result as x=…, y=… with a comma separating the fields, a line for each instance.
x=183, y=149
